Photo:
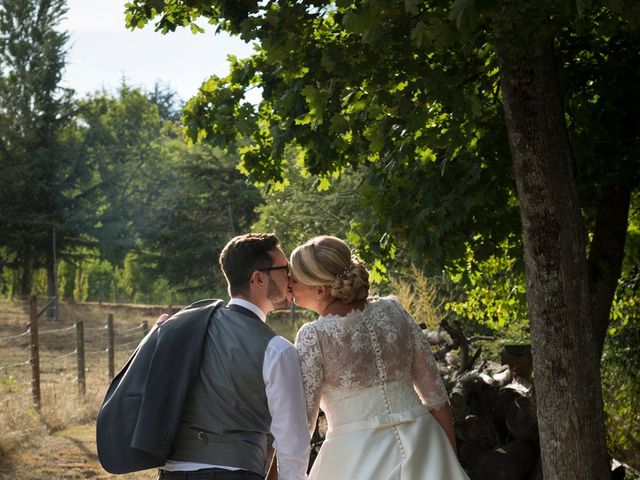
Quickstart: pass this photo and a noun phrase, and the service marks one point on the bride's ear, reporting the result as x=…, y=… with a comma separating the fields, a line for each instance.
x=321, y=291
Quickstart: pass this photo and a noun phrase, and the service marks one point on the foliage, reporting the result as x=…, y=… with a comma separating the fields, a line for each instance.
x=599, y=56
x=621, y=390
x=306, y=206
x=622, y=353
x=118, y=139
x=494, y=292
x=207, y=203
x=421, y=296
x=414, y=99
x=393, y=110
x=150, y=199
x=90, y=278
x=142, y=214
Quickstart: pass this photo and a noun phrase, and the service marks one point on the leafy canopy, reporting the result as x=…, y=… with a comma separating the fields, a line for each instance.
x=410, y=93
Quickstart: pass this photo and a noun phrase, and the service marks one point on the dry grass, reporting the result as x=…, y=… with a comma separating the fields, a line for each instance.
x=419, y=295
x=61, y=403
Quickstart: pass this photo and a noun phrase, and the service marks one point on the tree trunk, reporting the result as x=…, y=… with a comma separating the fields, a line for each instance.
x=69, y=282
x=606, y=255
x=52, y=288
x=25, y=276
x=564, y=351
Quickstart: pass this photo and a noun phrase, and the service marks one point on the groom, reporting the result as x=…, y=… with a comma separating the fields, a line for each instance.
x=249, y=382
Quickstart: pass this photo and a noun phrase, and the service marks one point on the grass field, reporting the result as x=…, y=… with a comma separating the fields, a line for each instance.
x=59, y=440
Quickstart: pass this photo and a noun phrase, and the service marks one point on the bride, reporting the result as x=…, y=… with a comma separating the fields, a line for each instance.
x=367, y=364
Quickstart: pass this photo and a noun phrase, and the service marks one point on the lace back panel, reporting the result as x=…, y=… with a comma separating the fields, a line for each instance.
x=380, y=345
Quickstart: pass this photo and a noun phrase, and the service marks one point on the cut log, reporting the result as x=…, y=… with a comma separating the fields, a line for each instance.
x=459, y=394
x=503, y=378
x=512, y=461
x=476, y=430
x=521, y=419
x=505, y=398
x=459, y=340
x=518, y=358
x=469, y=453
x=618, y=473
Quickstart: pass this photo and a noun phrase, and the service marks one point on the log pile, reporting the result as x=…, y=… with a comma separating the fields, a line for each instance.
x=493, y=405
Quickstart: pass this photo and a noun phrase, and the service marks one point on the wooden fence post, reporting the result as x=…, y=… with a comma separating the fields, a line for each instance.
x=80, y=355
x=35, y=353
x=145, y=328
x=110, y=346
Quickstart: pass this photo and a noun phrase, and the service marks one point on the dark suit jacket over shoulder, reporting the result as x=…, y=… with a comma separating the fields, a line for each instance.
x=141, y=411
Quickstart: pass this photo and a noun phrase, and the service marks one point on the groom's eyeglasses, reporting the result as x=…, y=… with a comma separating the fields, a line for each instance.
x=279, y=267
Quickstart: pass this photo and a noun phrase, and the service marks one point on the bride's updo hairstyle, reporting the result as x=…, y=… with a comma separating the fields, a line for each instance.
x=327, y=260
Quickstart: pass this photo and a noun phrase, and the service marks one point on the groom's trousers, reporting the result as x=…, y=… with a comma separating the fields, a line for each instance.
x=210, y=474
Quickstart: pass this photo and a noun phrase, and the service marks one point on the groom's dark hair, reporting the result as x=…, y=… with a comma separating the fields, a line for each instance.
x=242, y=256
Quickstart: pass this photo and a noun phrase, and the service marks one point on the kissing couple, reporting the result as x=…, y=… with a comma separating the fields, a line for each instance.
x=364, y=361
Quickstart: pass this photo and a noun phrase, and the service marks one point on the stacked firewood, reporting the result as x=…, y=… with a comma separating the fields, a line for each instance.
x=493, y=406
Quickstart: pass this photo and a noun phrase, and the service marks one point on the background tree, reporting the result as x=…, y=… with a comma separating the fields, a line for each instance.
x=421, y=93
x=208, y=202
x=151, y=212
x=33, y=110
x=120, y=140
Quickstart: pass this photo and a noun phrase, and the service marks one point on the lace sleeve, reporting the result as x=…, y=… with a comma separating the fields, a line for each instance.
x=424, y=369
x=310, y=355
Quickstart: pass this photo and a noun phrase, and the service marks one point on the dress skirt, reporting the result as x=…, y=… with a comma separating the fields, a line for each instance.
x=407, y=445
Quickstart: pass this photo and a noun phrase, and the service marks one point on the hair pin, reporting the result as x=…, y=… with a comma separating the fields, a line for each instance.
x=346, y=270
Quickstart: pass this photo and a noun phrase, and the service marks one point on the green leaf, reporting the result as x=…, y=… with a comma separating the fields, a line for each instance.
x=376, y=137
x=411, y=7
x=463, y=13
x=195, y=29
x=582, y=6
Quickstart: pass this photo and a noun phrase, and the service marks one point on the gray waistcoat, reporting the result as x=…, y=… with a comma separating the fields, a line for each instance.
x=226, y=418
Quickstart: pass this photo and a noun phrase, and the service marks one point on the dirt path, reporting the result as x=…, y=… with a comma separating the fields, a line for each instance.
x=66, y=455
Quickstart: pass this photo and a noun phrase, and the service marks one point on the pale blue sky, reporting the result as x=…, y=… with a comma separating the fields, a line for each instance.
x=102, y=52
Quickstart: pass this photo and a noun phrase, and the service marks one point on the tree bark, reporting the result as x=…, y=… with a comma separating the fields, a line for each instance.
x=606, y=255
x=51, y=288
x=564, y=351
x=25, y=276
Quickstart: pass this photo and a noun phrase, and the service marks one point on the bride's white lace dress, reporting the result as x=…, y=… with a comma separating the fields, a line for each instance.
x=373, y=374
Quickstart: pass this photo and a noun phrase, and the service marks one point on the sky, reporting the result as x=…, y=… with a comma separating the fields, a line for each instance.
x=102, y=52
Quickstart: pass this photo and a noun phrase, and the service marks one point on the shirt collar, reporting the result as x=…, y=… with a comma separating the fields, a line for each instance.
x=250, y=306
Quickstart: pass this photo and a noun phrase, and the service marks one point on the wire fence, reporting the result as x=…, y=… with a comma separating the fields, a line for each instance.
x=69, y=351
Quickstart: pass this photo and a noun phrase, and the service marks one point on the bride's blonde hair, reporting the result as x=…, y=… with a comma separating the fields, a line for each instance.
x=327, y=260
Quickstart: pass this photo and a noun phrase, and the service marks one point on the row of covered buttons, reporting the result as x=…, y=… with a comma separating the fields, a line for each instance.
x=383, y=386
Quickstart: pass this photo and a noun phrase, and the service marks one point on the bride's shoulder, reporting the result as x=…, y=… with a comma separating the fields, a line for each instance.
x=308, y=326
x=382, y=302
x=388, y=307
x=305, y=332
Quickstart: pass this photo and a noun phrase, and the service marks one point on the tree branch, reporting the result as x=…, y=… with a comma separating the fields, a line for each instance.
x=606, y=255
